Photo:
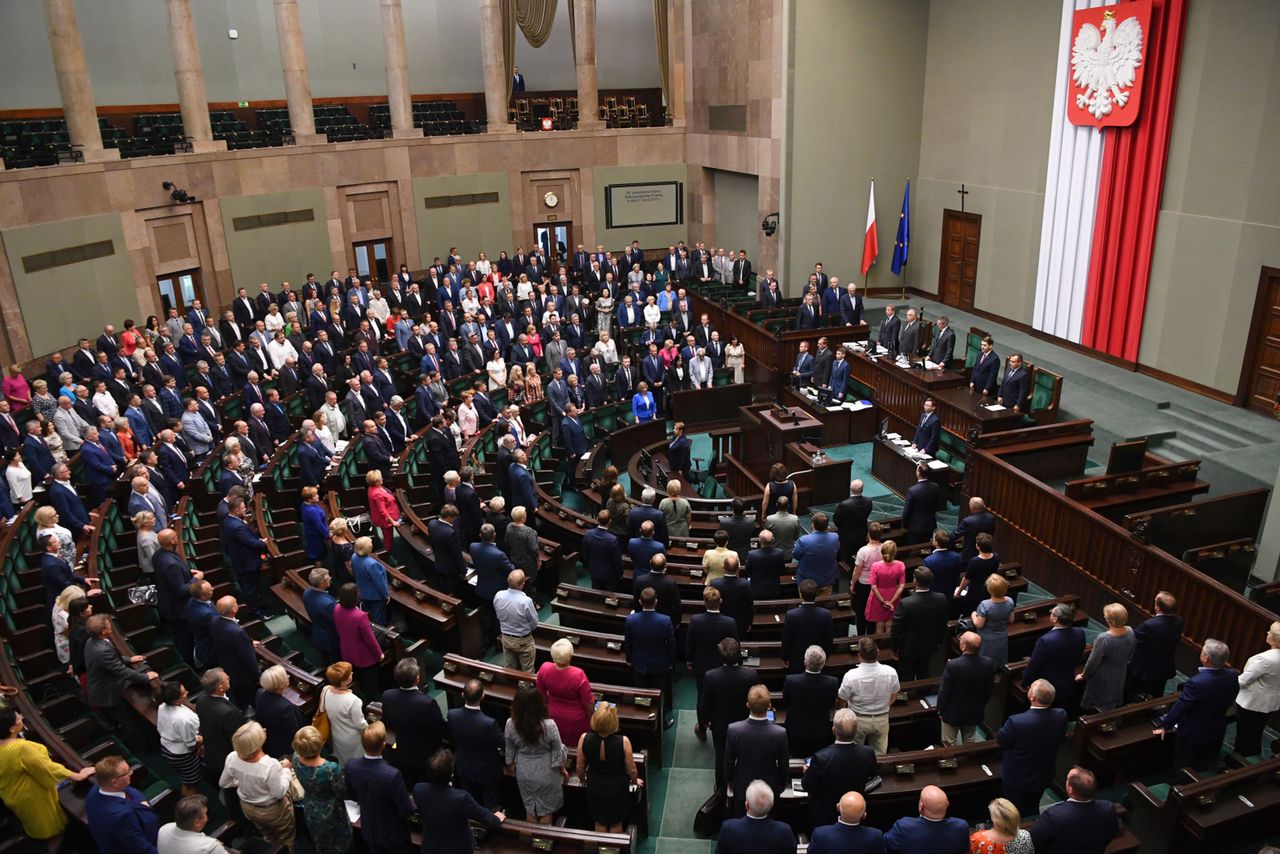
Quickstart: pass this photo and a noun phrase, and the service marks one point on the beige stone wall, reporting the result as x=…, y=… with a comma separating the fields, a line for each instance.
x=385, y=169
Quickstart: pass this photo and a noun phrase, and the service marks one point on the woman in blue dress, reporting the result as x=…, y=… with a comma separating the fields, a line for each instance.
x=642, y=404
x=991, y=619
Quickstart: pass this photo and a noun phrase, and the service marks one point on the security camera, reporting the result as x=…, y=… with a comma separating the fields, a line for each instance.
x=176, y=195
x=769, y=225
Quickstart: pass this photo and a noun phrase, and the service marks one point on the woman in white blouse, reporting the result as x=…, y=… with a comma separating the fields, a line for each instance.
x=180, y=738
x=273, y=320
x=496, y=368
x=606, y=348
x=378, y=306
x=19, y=478
x=652, y=314
x=1259, y=695
x=635, y=277
x=345, y=710
x=524, y=288
x=470, y=302
x=483, y=265
x=47, y=523
x=323, y=433
x=61, y=620
x=262, y=784
x=144, y=521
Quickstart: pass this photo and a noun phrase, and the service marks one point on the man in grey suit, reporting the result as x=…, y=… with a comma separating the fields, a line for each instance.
x=944, y=343
x=196, y=430
x=109, y=674
x=909, y=337
x=558, y=401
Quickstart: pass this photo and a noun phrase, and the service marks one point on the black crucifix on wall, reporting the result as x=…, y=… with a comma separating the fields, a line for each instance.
x=963, y=192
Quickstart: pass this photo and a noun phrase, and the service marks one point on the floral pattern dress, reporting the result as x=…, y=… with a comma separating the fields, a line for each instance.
x=323, y=806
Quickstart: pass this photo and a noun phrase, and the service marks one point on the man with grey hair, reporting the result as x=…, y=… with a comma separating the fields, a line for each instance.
x=756, y=833
x=320, y=603
x=851, y=521
x=219, y=720
x=1029, y=744
x=839, y=768
x=1201, y=711
x=809, y=697
x=647, y=511
x=1056, y=655
x=185, y=834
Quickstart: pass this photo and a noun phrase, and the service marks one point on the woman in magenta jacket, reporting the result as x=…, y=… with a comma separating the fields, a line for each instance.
x=356, y=641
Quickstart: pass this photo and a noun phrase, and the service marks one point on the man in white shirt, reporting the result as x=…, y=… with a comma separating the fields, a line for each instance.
x=517, y=618
x=869, y=690
x=701, y=370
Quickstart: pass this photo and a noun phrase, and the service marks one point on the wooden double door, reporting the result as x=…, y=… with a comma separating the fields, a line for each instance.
x=1260, y=375
x=958, y=267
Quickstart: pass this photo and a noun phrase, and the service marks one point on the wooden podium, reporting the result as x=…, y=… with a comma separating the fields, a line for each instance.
x=768, y=428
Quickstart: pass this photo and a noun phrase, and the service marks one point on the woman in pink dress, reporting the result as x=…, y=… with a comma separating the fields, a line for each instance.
x=567, y=692
x=16, y=390
x=384, y=510
x=888, y=578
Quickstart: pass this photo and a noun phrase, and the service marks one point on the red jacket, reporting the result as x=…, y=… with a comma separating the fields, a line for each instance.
x=383, y=507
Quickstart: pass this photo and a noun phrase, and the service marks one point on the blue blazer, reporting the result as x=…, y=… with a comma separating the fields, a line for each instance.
x=815, y=555
x=384, y=802
x=643, y=406
x=38, y=458
x=1055, y=657
x=478, y=740
x=846, y=838
x=1201, y=710
x=804, y=364
x=702, y=641
x=839, y=379
x=311, y=464
x=1157, y=640
x=118, y=826
x=1016, y=388
x=946, y=566
x=70, y=507
x=642, y=551
x=315, y=531
x=231, y=649
x=57, y=576
x=244, y=547
x=1029, y=743
x=917, y=835
x=99, y=468
x=172, y=466
x=756, y=836
x=927, y=434
x=320, y=605
x=649, y=642
x=601, y=556
x=173, y=582
x=448, y=812
x=228, y=479
x=1070, y=826
x=522, y=489
x=199, y=616
x=574, y=439
x=492, y=568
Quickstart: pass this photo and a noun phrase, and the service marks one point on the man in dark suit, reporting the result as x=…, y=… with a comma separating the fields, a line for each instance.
x=56, y=572
x=702, y=640
x=378, y=787
x=646, y=511
x=442, y=452
x=851, y=521
x=219, y=720
x=1078, y=825
x=601, y=556
x=523, y=492
x=754, y=832
x=848, y=835
x=809, y=698
x=851, y=307
x=415, y=718
x=232, y=650
x=723, y=700
x=920, y=510
x=931, y=831
x=985, y=375
x=642, y=549
x=173, y=579
x=678, y=460
x=1029, y=745
x=979, y=521
x=944, y=343
x=449, y=570
x=1015, y=391
x=765, y=566
x=1201, y=710
x=737, y=600
x=479, y=742
x=1056, y=655
x=119, y=816
x=928, y=430
x=963, y=693
x=919, y=627
x=446, y=812
x=1152, y=665
x=653, y=574
x=109, y=675
x=807, y=314
x=839, y=768
x=575, y=442
x=911, y=335
x=245, y=549
x=888, y=338
x=823, y=362
x=649, y=645
x=492, y=567
x=804, y=626
x=755, y=749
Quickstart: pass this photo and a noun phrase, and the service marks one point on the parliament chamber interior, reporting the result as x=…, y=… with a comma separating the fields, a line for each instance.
x=780, y=426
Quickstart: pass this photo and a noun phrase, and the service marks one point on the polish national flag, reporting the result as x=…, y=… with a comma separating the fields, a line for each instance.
x=870, y=247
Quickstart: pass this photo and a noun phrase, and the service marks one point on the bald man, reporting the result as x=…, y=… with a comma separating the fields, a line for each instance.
x=931, y=832
x=230, y=646
x=966, y=687
x=847, y=835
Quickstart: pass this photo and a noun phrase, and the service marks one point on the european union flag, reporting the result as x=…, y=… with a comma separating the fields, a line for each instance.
x=903, y=241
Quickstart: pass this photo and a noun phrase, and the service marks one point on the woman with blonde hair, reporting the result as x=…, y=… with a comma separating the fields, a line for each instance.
x=342, y=546
x=991, y=619
x=124, y=435
x=384, y=509
x=323, y=433
x=371, y=582
x=676, y=509
x=62, y=621
x=144, y=522
x=16, y=390
x=888, y=581
x=262, y=783
x=275, y=712
x=468, y=416
x=532, y=383
x=1004, y=836
x=1107, y=667
x=607, y=767
x=47, y=523
x=567, y=692
x=324, y=808
x=44, y=405
x=515, y=385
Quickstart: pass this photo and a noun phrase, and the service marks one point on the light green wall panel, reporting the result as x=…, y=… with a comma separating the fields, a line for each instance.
x=650, y=236
x=472, y=228
x=280, y=252
x=1220, y=210
x=737, y=210
x=858, y=72
x=64, y=303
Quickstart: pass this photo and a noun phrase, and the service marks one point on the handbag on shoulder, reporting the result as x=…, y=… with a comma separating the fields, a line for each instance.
x=320, y=720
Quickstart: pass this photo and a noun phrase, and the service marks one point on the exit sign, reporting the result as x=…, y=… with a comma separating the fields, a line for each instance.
x=244, y=104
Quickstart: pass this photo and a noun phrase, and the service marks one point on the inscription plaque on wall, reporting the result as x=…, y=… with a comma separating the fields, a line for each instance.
x=646, y=203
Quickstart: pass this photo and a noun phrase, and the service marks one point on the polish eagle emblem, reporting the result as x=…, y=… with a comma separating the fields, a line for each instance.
x=1105, y=64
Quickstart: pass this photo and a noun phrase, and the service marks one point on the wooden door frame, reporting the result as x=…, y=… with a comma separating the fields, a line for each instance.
x=197, y=277
x=552, y=225
x=392, y=267
x=963, y=216
x=1251, y=343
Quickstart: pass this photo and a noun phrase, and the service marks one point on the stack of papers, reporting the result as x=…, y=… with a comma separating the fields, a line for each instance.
x=931, y=366
x=893, y=435
x=994, y=407
x=937, y=465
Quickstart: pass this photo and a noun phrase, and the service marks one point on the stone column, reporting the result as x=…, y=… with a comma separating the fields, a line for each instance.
x=496, y=85
x=396, y=58
x=74, y=85
x=189, y=74
x=584, y=13
x=293, y=62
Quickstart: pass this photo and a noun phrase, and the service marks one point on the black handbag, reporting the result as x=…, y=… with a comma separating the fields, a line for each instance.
x=709, y=816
